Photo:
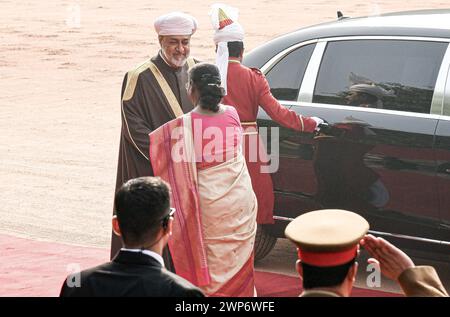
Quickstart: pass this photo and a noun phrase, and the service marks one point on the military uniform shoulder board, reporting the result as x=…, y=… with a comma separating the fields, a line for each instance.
x=257, y=71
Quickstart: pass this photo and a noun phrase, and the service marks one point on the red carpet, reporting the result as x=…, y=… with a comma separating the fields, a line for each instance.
x=35, y=268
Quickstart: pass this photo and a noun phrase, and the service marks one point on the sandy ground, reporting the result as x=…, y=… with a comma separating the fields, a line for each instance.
x=60, y=91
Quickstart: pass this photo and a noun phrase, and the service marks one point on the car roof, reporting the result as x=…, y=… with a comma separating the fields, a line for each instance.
x=428, y=19
x=423, y=23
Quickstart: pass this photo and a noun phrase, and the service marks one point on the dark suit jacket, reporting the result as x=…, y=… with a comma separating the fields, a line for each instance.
x=130, y=274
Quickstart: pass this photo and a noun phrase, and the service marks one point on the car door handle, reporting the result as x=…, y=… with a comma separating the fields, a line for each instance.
x=447, y=170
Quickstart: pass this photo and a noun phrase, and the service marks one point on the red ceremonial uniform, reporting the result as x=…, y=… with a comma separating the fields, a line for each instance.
x=247, y=89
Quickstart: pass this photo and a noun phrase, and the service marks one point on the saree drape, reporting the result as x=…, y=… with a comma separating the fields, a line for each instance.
x=215, y=222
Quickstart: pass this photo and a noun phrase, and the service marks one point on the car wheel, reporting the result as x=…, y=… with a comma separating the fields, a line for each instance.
x=264, y=243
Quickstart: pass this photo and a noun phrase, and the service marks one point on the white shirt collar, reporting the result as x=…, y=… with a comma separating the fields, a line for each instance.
x=147, y=252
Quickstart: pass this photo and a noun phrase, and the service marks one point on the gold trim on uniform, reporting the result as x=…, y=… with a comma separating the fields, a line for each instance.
x=168, y=93
x=301, y=121
x=249, y=124
x=132, y=78
x=130, y=87
x=190, y=61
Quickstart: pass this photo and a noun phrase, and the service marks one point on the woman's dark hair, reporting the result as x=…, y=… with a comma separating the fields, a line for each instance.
x=206, y=79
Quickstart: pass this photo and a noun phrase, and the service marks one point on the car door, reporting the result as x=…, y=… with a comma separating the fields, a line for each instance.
x=285, y=76
x=378, y=160
x=443, y=170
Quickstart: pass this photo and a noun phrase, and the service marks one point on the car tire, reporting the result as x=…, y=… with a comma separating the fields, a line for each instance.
x=264, y=243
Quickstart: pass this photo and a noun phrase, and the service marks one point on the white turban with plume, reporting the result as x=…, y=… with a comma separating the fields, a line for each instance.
x=176, y=23
x=225, y=23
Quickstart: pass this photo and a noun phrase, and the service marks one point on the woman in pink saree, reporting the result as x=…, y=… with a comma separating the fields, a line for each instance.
x=200, y=155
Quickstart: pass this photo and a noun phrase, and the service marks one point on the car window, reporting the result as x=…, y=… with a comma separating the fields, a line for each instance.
x=287, y=75
x=388, y=74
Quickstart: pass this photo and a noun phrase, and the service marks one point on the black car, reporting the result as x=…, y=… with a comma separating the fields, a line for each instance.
x=387, y=159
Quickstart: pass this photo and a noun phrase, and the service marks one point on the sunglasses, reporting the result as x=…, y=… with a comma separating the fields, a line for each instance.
x=165, y=220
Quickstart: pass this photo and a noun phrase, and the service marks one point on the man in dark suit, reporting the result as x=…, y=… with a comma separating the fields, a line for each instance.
x=144, y=220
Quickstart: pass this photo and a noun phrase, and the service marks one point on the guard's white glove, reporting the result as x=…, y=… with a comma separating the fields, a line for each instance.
x=318, y=121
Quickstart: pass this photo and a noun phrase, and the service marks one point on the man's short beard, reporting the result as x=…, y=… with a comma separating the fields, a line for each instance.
x=178, y=63
x=175, y=62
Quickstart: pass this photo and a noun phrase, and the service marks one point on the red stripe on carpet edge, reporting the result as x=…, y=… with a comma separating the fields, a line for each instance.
x=36, y=268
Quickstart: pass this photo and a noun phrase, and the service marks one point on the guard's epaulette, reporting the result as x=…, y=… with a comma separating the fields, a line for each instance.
x=256, y=70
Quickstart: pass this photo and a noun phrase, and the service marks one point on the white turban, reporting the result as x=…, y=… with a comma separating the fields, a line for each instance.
x=225, y=23
x=176, y=23
x=372, y=89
